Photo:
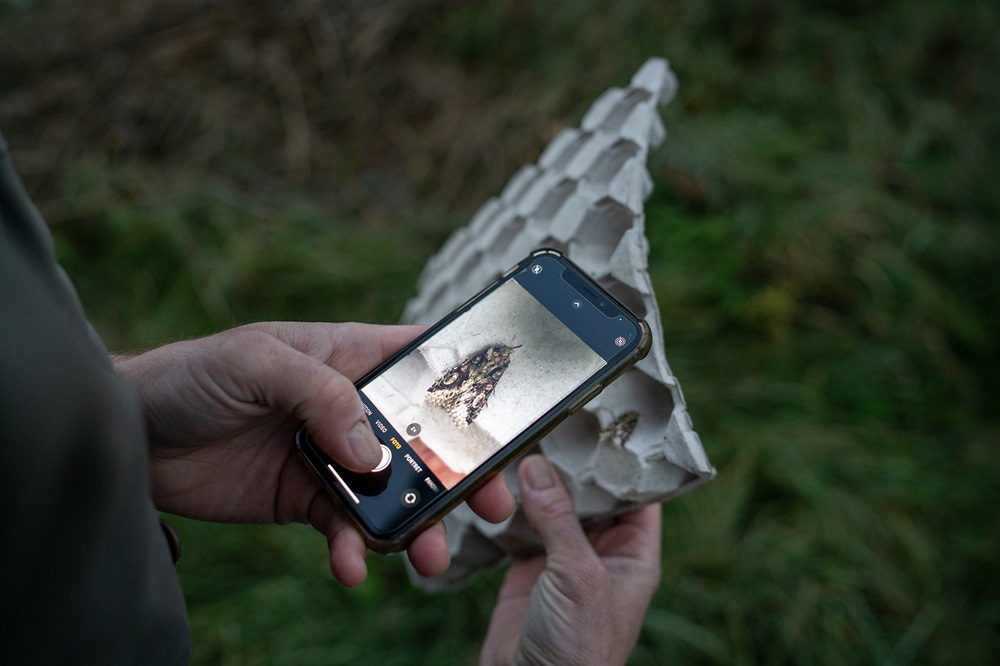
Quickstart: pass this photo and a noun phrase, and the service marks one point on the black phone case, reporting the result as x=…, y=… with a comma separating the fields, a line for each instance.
x=401, y=538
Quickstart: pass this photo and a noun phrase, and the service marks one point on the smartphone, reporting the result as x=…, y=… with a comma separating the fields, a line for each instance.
x=473, y=392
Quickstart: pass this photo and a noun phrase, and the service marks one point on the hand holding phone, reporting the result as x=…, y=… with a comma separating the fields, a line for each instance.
x=221, y=411
x=476, y=390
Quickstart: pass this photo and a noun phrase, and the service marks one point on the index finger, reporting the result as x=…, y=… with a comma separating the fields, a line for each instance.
x=352, y=349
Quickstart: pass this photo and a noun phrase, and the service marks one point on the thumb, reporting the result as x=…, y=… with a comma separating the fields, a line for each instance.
x=257, y=367
x=549, y=510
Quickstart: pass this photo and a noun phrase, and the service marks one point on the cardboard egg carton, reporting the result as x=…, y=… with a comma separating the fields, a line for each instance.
x=634, y=444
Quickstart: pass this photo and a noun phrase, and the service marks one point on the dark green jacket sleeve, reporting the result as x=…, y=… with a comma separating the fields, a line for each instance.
x=85, y=572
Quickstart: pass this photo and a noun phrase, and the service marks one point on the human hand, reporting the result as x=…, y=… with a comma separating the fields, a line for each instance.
x=583, y=600
x=221, y=412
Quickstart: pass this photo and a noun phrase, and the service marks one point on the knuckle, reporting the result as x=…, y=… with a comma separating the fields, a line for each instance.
x=334, y=386
x=558, y=508
x=247, y=342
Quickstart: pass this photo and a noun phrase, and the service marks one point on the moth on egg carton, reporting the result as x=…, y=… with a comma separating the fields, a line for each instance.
x=618, y=431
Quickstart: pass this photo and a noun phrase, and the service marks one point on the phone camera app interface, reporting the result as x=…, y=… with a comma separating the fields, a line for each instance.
x=479, y=382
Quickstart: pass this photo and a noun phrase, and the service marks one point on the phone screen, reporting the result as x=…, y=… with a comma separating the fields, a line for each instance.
x=481, y=382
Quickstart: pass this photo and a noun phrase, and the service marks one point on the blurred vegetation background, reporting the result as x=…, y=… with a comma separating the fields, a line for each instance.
x=824, y=248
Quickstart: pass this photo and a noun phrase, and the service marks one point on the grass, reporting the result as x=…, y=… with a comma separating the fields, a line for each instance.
x=824, y=248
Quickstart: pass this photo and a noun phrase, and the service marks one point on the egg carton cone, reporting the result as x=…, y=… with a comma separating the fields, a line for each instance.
x=634, y=444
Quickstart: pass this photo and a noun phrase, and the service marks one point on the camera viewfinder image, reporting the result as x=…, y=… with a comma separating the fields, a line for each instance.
x=480, y=381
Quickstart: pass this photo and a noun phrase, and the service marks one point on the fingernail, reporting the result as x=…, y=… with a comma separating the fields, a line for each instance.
x=539, y=472
x=362, y=441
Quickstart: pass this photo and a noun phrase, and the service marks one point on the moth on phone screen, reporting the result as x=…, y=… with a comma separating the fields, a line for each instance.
x=464, y=389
